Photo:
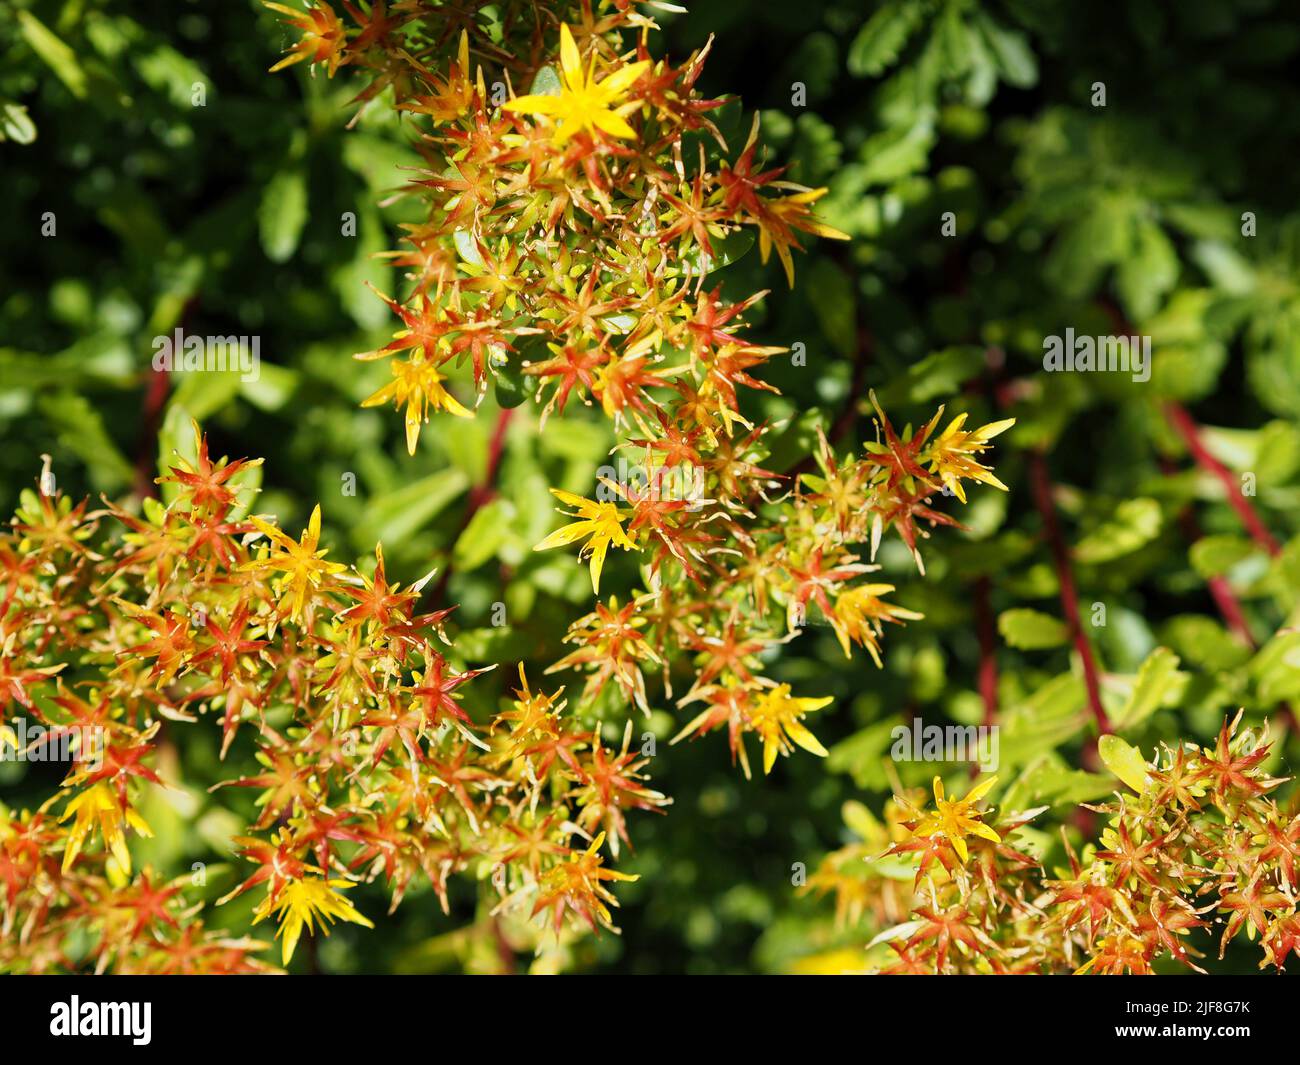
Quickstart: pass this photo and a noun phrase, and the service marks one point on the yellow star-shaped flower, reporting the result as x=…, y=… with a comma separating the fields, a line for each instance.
x=584, y=104
x=417, y=385
x=97, y=805
x=952, y=455
x=303, y=901
x=302, y=565
x=599, y=521
x=775, y=716
x=955, y=818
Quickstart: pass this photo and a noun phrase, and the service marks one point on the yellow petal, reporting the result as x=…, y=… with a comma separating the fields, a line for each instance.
x=570, y=60
x=980, y=790
x=571, y=499
x=987, y=432
x=533, y=105
x=598, y=549
x=623, y=78
x=614, y=125
x=566, y=535
x=805, y=739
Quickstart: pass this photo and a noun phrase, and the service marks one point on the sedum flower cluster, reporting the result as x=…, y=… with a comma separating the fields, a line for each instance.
x=580, y=201
x=1195, y=840
x=580, y=197
x=118, y=629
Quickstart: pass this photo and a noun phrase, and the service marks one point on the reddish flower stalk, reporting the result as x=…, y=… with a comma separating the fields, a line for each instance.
x=1042, y=486
x=1187, y=428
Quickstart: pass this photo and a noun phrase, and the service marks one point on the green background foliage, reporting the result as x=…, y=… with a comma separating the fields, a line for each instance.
x=227, y=218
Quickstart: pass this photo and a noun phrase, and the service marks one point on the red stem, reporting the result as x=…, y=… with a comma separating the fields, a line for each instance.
x=1190, y=432
x=1042, y=486
x=1227, y=602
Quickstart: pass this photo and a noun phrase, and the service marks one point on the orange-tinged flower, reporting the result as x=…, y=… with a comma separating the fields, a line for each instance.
x=858, y=614
x=955, y=819
x=418, y=387
x=207, y=485
x=452, y=95
x=1118, y=954
x=599, y=521
x=952, y=454
x=323, y=37
x=775, y=716
x=780, y=217
x=584, y=104
x=303, y=566
x=576, y=885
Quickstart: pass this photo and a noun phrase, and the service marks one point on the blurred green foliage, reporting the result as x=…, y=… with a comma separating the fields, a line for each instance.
x=156, y=177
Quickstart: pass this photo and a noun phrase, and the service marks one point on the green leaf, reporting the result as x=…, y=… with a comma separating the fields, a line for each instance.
x=1125, y=761
x=938, y=375
x=352, y=282
x=1015, y=59
x=726, y=250
x=272, y=388
x=394, y=516
x=1133, y=525
x=859, y=820
x=81, y=430
x=175, y=440
x=546, y=82
x=1148, y=272
x=1031, y=630
x=834, y=302
x=1213, y=556
x=283, y=213
x=1275, y=668
x=1227, y=267
x=896, y=153
x=467, y=247
x=863, y=755
x=1088, y=245
x=57, y=56
x=1050, y=779
x=203, y=394
x=1158, y=681
x=483, y=536
x=509, y=385
x=1205, y=642
x=882, y=37
x=1052, y=716
x=15, y=124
